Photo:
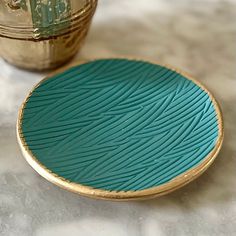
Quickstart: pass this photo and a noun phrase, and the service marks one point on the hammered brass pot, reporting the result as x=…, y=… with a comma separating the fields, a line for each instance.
x=43, y=34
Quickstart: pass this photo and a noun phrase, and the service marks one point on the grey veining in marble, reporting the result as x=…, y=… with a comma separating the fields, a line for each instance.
x=197, y=36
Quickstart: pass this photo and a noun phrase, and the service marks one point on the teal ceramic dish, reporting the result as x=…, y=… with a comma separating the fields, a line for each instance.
x=120, y=129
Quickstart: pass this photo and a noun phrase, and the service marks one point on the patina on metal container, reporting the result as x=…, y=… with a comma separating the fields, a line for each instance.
x=43, y=34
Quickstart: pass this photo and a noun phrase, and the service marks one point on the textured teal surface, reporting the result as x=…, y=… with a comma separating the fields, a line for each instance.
x=119, y=124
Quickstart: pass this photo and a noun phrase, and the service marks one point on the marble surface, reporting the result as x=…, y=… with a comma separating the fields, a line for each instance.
x=197, y=36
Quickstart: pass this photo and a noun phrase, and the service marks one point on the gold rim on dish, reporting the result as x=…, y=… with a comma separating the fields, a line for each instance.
x=84, y=190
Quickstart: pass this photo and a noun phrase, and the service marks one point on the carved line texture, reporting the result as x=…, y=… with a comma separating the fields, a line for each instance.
x=119, y=125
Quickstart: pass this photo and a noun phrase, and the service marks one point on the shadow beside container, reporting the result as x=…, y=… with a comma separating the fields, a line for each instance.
x=43, y=34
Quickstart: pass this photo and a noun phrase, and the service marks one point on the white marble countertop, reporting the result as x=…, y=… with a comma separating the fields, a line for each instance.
x=198, y=36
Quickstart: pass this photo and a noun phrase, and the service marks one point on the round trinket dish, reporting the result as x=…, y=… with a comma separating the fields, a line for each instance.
x=120, y=129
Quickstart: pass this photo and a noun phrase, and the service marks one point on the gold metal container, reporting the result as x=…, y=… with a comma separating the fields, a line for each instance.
x=43, y=34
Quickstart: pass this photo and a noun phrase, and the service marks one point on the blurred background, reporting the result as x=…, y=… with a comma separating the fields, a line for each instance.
x=198, y=36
